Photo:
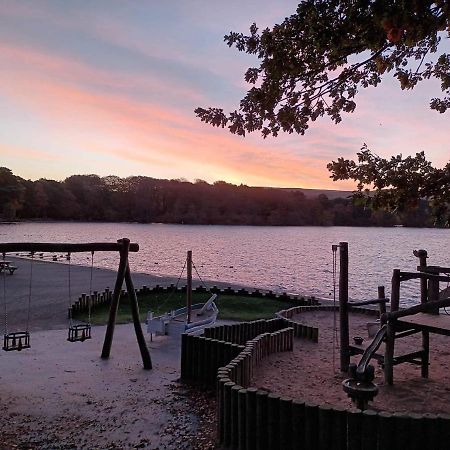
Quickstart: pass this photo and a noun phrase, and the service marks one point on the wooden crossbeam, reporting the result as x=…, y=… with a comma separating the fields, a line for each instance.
x=65, y=247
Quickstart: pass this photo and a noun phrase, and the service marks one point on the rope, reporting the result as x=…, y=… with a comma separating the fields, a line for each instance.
x=196, y=271
x=90, y=289
x=70, y=292
x=4, y=299
x=176, y=285
x=29, y=291
x=334, y=250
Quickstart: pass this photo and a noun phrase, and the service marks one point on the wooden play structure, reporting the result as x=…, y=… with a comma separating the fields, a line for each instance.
x=190, y=319
x=21, y=340
x=423, y=318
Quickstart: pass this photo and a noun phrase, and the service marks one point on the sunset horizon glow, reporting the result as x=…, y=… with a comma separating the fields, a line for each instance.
x=110, y=88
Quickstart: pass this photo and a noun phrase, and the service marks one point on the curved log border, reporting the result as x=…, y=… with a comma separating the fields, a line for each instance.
x=252, y=419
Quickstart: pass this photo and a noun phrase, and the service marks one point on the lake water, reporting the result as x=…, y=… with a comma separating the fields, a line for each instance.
x=291, y=259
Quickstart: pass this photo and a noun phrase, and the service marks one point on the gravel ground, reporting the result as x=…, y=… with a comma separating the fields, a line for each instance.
x=61, y=395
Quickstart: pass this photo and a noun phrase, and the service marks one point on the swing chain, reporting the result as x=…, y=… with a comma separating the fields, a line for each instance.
x=29, y=291
x=334, y=249
x=4, y=300
x=70, y=292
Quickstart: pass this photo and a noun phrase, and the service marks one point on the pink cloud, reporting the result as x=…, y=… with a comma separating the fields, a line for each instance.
x=155, y=134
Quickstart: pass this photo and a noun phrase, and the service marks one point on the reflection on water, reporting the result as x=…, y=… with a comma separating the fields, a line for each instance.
x=292, y=259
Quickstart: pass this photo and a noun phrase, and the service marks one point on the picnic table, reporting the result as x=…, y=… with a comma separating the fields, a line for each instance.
x=6, y=266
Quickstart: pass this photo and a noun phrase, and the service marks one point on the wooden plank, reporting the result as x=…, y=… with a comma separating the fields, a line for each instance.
x=437, y=324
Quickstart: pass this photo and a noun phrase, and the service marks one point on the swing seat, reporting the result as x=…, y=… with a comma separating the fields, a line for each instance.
x=79, y=332
x=16, y=341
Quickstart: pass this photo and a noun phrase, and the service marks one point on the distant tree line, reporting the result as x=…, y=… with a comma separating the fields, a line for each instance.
x=145, y=199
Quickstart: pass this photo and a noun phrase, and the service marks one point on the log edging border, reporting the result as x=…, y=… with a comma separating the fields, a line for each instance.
x=102, y=298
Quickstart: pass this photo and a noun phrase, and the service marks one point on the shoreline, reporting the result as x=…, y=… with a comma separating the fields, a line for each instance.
x=50, y=299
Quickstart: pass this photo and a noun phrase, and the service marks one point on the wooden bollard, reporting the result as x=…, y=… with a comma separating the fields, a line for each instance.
x=221, y=381
x=286, y=423
x=261, y=420
x=228, y=352
x=227, y=413
x=194, y=356
x=234, y=416
x=242, y=418
x=220, y=354
x=215, y=344
x=402, y=430
x=188, y=359
x=315, y=335
x=183, y=356
x=247, y=367
x=200, y=368
x=354, y=429
x=444, y=426
x=235, y=333
x=239, y=370
x=325, y=415
x=298, y=424
x=199, y=359
x=311, y=425
x=209, y=369
x=417, y=438
x=339, y=428
x=276, y=341
x=250, y=423
x=291, y=340
x=385, y=430
x=273, y=421
x=226, y=333
x=304, y=331
x=432, y=430
x=245, y=330
x=370, y=430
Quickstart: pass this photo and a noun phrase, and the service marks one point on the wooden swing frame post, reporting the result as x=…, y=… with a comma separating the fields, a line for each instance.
x=123, y=246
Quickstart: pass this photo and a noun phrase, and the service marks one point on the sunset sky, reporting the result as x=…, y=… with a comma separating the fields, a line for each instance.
x=109, y=87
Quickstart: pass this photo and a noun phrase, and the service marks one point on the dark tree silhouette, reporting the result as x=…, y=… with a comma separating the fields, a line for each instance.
x=314, y=63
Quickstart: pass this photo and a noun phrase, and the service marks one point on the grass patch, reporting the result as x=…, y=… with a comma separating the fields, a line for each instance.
x=231, y=307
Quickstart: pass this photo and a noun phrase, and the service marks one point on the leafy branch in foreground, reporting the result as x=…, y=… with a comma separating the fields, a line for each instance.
x=314, y=63
x=396, y=183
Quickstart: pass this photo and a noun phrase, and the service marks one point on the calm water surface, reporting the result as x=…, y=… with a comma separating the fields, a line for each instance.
x=292, y=259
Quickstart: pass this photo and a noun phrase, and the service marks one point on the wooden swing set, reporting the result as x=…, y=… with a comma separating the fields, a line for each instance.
x=80, y=332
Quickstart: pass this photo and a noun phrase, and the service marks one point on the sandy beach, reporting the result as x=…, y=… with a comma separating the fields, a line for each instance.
x=310, y=373
x=50, y=291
